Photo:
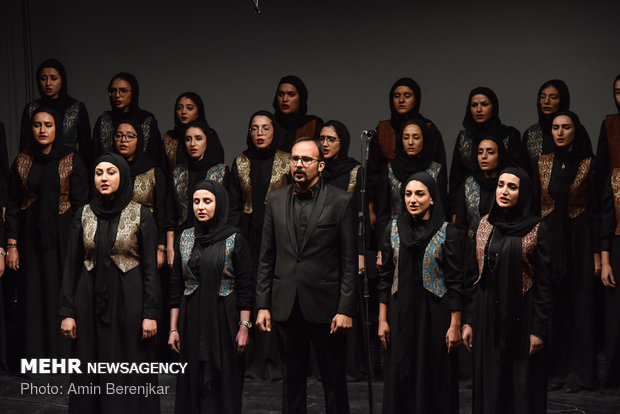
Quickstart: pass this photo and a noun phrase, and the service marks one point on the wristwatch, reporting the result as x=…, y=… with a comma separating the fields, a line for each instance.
x=2, y=252
x=246, y=323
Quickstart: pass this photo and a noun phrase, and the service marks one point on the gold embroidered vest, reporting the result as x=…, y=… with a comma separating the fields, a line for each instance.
x=577, y=192
x=126, y=250
x=615, y=188
x=65, y=169
x=528, y=249
x=279, y=173
x=144, y=189
x=170, y=147
x=353, y=179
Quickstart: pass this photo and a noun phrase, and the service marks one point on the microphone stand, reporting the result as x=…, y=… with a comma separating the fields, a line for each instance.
x=365, y=137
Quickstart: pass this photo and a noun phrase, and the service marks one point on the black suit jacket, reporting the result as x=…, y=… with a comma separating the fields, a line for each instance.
x=322, y=273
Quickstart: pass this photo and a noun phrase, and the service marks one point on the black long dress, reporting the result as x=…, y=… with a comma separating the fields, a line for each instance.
x=608, y=148
x=212, y=281
x=568, y=203
x=383, y=149
x=45, y=191
x=254, y=174
x=509, y=298
x=610, y=242
x=421, y=291
x=4, y=183
x=463, y=158
x=299, y=124
x=75, y=122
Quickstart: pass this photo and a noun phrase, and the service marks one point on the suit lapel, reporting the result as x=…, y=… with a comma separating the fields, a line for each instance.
x=290, y=220
x=317, y=209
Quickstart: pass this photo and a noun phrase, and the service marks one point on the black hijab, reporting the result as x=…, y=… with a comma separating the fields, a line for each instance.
x=565, y=167
x=493, y=127
x=107, y=210
x=545, y=120
x=397, y=120
x=614, y=93
x=503, y=161
x=63, y=101
x=342, y=163
x=48, y=188
x=135, y=112
x=415, y=234
x=503, y=265
x=404, y=165
x=179, y=128
x=254, y=153
x=207, y=264
x=292, y=122
x=141, y=162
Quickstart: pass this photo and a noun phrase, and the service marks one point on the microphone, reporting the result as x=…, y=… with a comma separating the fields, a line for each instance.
x=370, y=133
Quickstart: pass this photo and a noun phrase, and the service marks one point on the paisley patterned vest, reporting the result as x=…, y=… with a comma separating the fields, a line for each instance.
x=279, y=172
x=577, y=192
x=180, y=177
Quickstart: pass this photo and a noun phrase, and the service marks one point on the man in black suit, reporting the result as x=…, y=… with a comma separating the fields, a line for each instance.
x=306, y=280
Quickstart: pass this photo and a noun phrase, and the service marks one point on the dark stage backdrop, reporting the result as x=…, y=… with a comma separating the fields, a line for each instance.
x=348, y=52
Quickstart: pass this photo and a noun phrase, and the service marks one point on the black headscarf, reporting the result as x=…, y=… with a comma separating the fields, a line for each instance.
x=49, y=184
x=254, y=153
x=559, y=184
x=545, y=120
x=503, y=265
x=415, y=234
x=493, y=127
x=64, y=100
x=614, y=92
x=342, y=163
x=404, y=165
x=207, y=264
x=179, y=127
x=141, y=162
x=397, y=119
x=107, y=210
x=488, y=185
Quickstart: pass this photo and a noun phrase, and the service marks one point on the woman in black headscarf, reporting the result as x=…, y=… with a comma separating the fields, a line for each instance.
x=481, y=121
x=52, y=83
x=203, y=161
x=413, y=154
x=188, y=107
x=608, y=149
x=405, y=97
x=509, y=302
x=569, y=204
x=211, y=297
x=110, y=296
x=420, y=302
x=477, y=192
x=124, y=94
x=291, y=106
x=48, y=183
x=149, y=182
x=260, y=169
x=553, y=97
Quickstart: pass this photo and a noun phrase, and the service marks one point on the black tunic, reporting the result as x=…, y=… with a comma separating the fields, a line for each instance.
x=226, y=390
x=39, y=277
x=134, y=296
x=430, y=383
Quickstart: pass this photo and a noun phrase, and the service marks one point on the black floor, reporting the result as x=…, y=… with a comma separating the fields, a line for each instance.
x=264, y=398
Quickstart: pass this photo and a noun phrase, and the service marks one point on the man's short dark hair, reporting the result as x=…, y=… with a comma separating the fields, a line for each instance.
x=315, y=141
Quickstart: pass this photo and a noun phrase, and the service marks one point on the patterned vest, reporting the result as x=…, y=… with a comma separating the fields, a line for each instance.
x=107, y=132
x=615, y=188
x=528, y=249
x=65, y=169
x=395, y=185
x=279, y=172
x=126, y=250
x=180, y=177
x=144, y=189
x=577, y=192
x=472, y=199
x=432, y=274
x=353, y=179
x=612, y=127
x=186, y=245
x=534, y=142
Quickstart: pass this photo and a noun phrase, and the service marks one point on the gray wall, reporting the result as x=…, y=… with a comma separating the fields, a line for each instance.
x=348, y=52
